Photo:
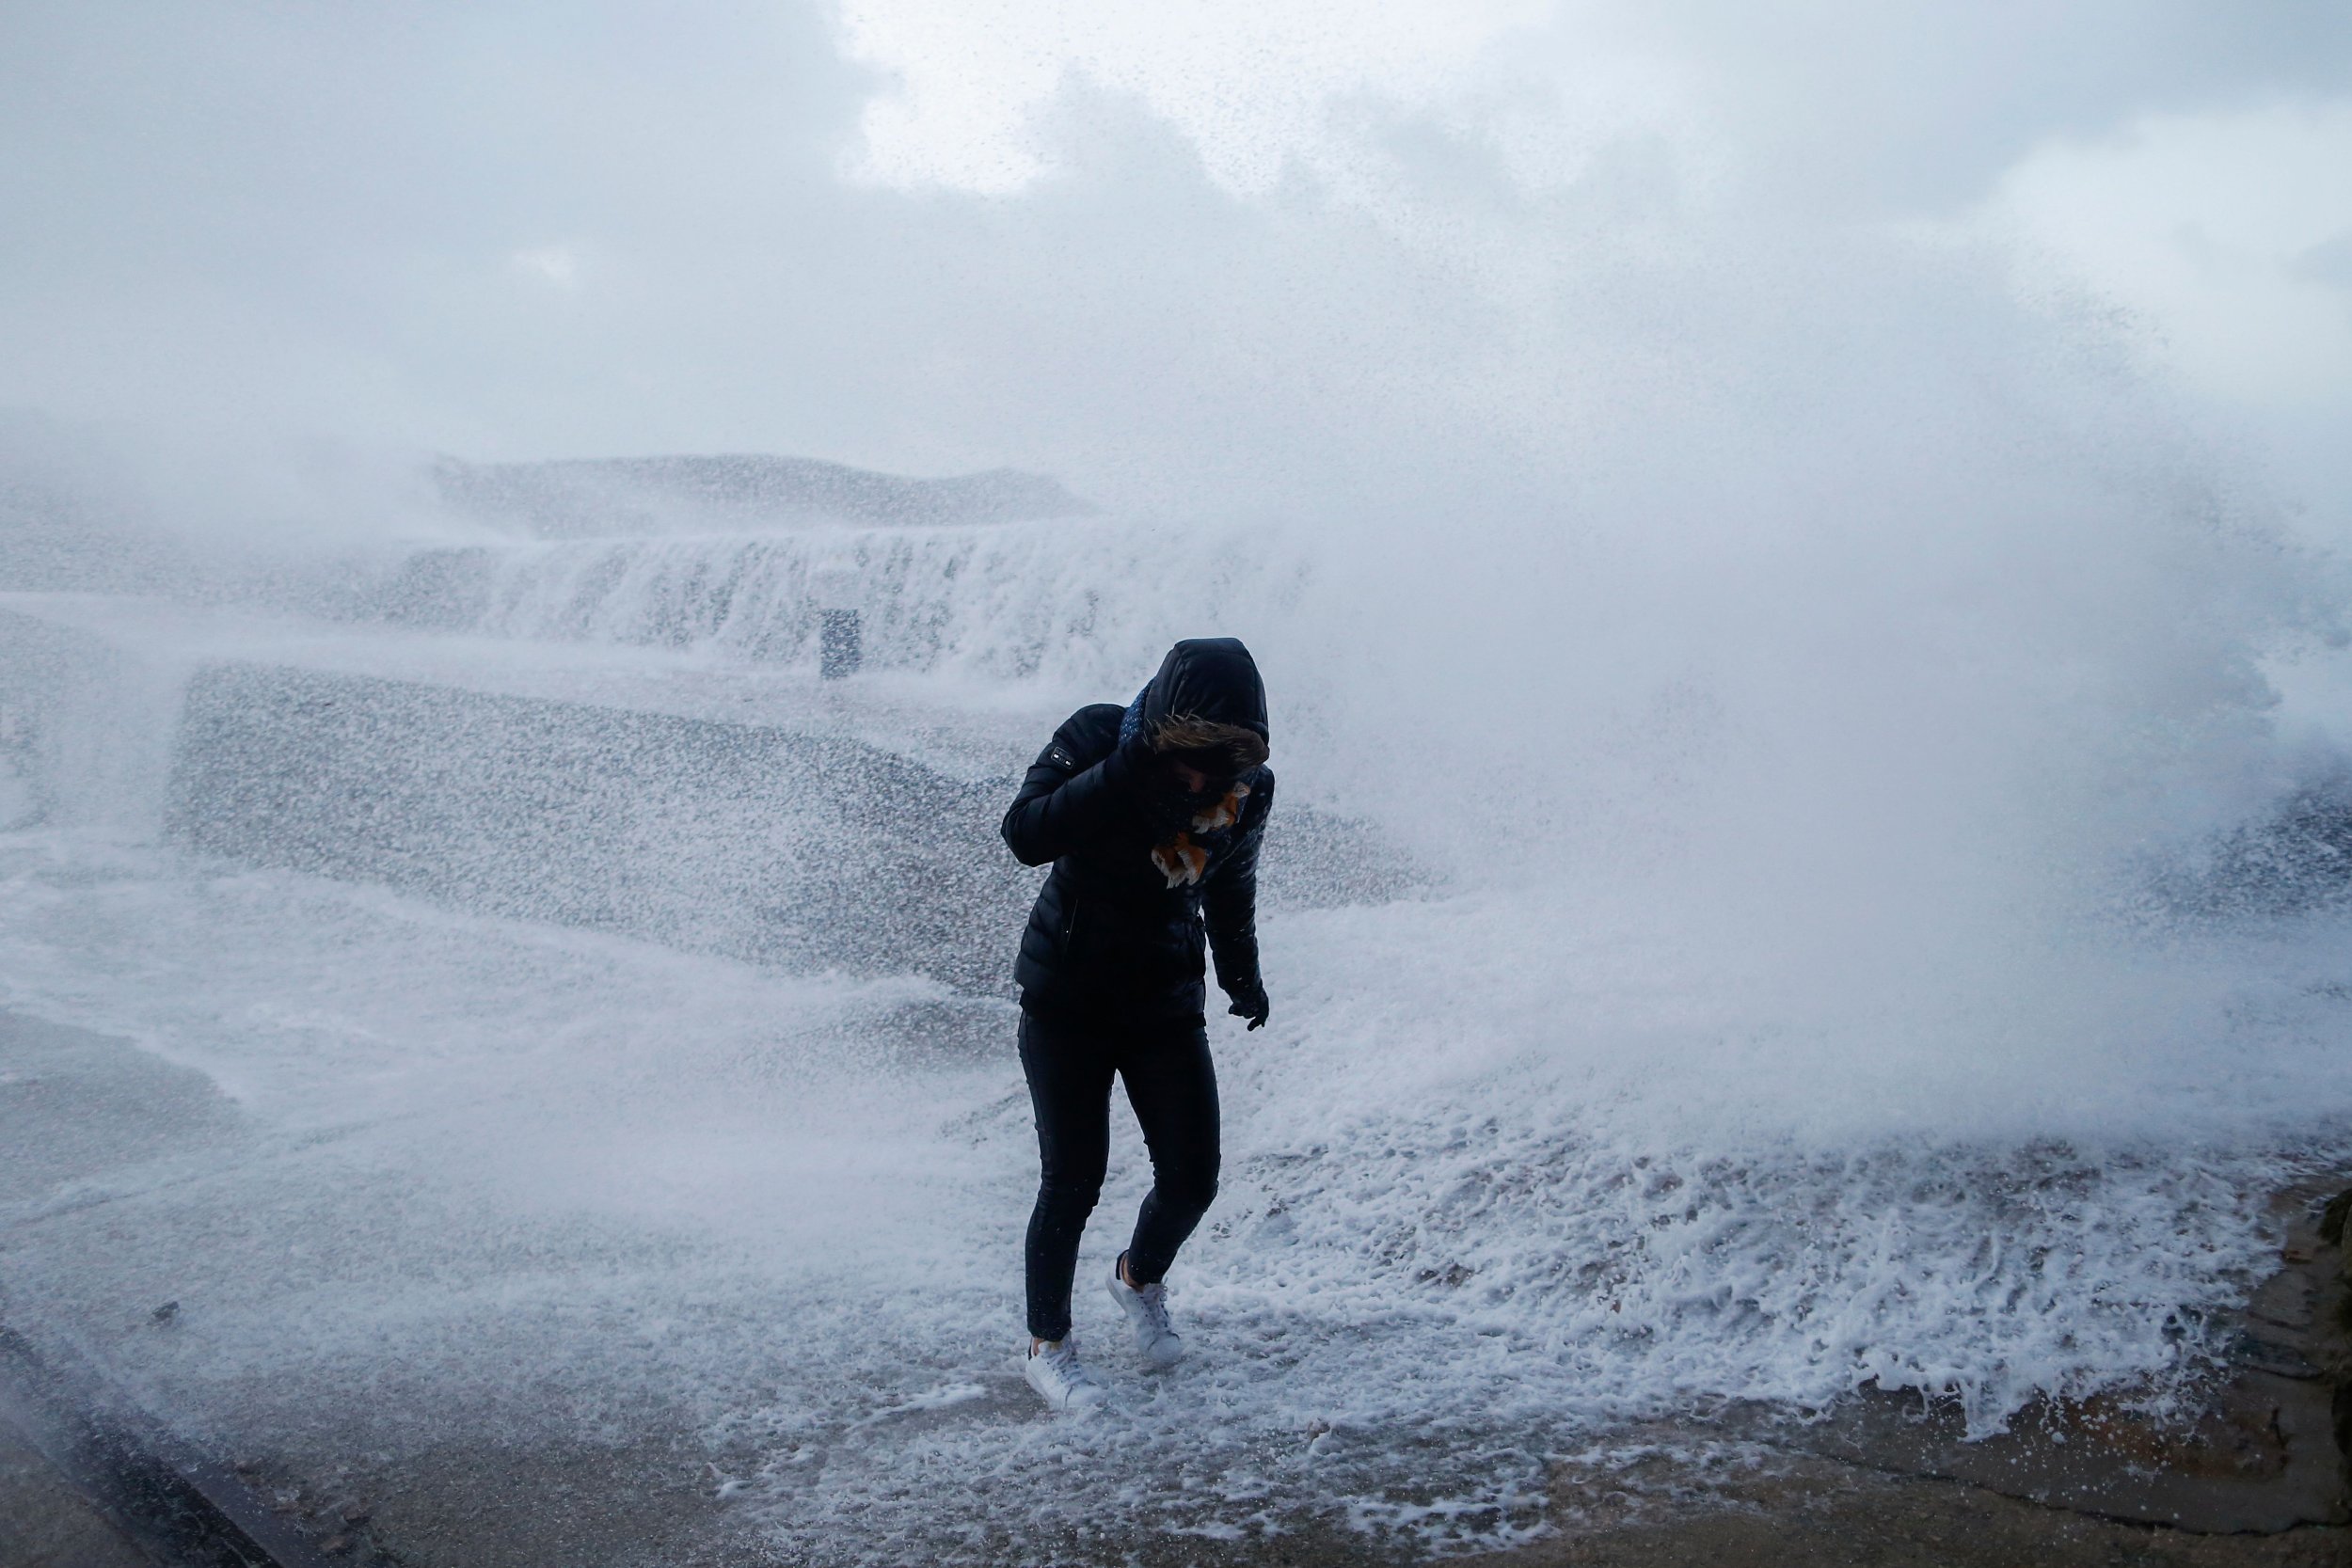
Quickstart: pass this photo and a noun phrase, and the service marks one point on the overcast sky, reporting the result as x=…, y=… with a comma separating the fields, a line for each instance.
x=942, y=234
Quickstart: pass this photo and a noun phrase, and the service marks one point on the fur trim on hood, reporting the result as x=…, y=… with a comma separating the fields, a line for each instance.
x=1237, y=750
x=1207, y=698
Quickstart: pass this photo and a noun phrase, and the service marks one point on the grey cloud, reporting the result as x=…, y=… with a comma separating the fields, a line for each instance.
x=262, y=204
x=305, y=217
x=1921, y=107
x=2328, y=262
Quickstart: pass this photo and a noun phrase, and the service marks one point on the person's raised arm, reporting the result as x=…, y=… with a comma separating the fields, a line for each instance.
x=1063, y=800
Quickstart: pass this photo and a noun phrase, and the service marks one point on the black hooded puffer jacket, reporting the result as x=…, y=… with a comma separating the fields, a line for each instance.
x=1108, y=934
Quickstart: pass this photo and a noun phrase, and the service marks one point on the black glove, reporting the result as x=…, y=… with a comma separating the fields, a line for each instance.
x=1136, y=767
x=1145, y=776
x=1129, y=768
x=1250, y=1002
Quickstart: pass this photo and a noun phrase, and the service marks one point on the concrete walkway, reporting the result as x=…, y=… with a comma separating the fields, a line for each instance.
x=44, y=1523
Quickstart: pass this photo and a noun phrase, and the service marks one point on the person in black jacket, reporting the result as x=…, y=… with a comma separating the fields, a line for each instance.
x=1151, y=817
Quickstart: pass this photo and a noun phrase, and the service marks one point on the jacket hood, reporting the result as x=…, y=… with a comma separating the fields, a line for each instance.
x=1205, y=677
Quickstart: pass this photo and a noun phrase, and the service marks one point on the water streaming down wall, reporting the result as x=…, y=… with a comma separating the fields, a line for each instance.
x=998, y=602
x=87, y=729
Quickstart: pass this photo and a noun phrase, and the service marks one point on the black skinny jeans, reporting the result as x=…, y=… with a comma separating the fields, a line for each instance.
x=1173, y=1086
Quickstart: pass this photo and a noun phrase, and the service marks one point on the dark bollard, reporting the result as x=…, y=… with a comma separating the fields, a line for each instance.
x=839, y=649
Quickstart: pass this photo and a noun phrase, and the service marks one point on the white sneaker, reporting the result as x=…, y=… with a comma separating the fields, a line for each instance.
x=1147, y=1315
x=1060, y=1378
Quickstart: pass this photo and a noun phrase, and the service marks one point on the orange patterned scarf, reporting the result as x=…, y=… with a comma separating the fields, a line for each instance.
x=1181, y=860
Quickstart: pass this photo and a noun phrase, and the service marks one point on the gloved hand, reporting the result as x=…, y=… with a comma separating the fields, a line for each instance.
x=1167, y=812
x=1250, y=1002
x=1148, y=781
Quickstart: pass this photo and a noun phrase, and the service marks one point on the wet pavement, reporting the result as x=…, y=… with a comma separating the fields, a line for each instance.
x=47, y=1522
x=96, y=1126
x=1804, y=1509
